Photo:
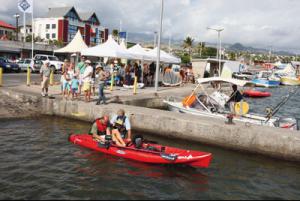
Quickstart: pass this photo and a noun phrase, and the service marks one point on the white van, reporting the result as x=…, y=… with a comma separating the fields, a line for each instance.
x=54, y=61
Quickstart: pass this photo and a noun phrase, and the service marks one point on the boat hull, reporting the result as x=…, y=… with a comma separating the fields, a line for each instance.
x=266, y=83
x=192, y=158
x=290, y=81
x=256, y=94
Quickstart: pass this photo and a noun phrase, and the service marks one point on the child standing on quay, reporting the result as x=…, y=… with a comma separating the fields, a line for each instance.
x=75, y=87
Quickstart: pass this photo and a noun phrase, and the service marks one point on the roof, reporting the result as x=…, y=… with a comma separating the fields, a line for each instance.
x=5, y=25
x=59, y=12
x=86, y=16
x=76, y=45
x=239, y=83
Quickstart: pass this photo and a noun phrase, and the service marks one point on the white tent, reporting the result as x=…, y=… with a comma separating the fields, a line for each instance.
x=108, y=49
x=140, y=53
x=76, y=45
x=164, y=57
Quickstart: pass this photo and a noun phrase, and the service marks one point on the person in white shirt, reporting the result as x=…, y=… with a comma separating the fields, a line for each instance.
x=87, y=79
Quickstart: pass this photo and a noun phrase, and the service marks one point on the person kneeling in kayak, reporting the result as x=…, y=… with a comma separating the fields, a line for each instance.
x=121, y=129
x=100, y=129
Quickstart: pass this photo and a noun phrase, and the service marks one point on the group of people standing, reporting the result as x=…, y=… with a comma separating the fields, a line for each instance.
x=82, y=78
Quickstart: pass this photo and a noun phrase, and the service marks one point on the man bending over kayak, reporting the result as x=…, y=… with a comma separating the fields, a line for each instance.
x=121, y=128
x=100, y=129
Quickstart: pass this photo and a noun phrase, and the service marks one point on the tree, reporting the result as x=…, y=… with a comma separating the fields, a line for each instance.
x=188, y=44
x=185, y=58
x=115, y=34
x=209, y=52
x=200, y=48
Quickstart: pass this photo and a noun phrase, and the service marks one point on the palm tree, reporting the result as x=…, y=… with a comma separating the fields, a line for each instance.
x=200, y=48
x=188, y=44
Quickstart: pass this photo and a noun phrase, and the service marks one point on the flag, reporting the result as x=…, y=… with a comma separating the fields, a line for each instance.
x=25, y=6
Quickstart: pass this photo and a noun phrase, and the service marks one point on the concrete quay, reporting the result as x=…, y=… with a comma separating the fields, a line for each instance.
x=273, y=142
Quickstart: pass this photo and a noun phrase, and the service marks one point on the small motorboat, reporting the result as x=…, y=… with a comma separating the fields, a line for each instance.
x=148, y=153
x=139, y=86
x=256, y=94
x=290, y=81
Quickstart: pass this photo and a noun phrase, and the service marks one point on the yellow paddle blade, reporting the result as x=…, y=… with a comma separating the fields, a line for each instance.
x=241, y=108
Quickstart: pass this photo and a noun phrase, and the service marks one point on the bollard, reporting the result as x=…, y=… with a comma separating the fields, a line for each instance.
x=28, y=76
x=112, y=81
x=298, y=124
x=1, y=77
x=135, y=85
x=52, y=78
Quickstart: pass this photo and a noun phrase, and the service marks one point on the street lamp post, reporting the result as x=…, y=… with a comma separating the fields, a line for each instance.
x=158, y=48
x=17, y=16
x=155, y=39
x=220, y=46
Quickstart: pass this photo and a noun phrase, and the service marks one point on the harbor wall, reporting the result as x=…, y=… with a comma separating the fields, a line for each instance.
x=273, y=142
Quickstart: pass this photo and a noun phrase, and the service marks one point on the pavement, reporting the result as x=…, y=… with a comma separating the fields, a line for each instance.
x=17, y=82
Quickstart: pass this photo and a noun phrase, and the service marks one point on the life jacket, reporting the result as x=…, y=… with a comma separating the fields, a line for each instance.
x=101, y=128
x=120, y=125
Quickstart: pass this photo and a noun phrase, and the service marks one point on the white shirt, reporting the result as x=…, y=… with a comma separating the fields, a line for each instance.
x=88, y=74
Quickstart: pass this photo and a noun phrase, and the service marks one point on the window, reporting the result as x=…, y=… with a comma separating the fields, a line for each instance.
x=53, y=26
x=48, y=36
x=1, y=32
x=53, y=36
x=47, y=26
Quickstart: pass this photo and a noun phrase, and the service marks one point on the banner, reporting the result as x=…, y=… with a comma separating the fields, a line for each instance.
x=25, y=6
x=122, y=35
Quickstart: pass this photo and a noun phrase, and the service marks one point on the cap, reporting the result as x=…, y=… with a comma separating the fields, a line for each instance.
x=66, y=60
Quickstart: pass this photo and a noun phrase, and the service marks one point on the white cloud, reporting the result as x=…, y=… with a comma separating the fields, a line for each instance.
x=256, y=22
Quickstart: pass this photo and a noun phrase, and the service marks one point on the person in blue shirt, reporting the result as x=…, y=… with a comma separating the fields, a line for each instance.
x=121, y=128
x=75, y=86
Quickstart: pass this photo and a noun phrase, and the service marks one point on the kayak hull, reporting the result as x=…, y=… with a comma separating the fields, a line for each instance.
x=191, y=158
x=257, y=94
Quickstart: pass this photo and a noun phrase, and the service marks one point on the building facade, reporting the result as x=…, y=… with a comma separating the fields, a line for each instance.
x=63, y=23
x=7, y=31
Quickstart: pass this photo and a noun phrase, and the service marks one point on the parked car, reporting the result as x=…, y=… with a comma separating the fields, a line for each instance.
x=9, y=66
x=55, y=64
x=34, y=67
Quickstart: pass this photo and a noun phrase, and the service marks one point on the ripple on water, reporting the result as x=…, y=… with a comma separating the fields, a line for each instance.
x=38, y=162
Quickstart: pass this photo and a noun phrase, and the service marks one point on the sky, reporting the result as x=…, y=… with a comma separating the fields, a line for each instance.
x=258, y=23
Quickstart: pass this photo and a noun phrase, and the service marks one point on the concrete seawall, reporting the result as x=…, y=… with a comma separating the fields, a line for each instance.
x=273, y=142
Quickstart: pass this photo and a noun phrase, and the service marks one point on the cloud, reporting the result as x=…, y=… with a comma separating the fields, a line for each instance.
x=257, y=22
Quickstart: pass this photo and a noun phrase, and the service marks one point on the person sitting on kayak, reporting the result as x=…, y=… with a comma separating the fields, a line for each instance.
x=235, y=97
x=121, y=128
x=100, y=129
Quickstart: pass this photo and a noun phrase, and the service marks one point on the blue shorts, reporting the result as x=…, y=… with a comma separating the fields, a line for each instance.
x=75, y=90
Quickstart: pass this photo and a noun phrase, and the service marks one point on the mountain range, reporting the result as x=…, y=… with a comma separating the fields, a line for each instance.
x=148, y=39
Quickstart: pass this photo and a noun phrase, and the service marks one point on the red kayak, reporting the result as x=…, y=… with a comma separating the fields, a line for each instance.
x=150, y=153
x=257, y=94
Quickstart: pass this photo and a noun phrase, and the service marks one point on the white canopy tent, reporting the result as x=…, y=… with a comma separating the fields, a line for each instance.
x=140, y=53
x=108, y=49
x=165, y=57
x=75, y=46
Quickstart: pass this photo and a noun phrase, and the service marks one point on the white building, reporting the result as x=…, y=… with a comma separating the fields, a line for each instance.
x=63, y=23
